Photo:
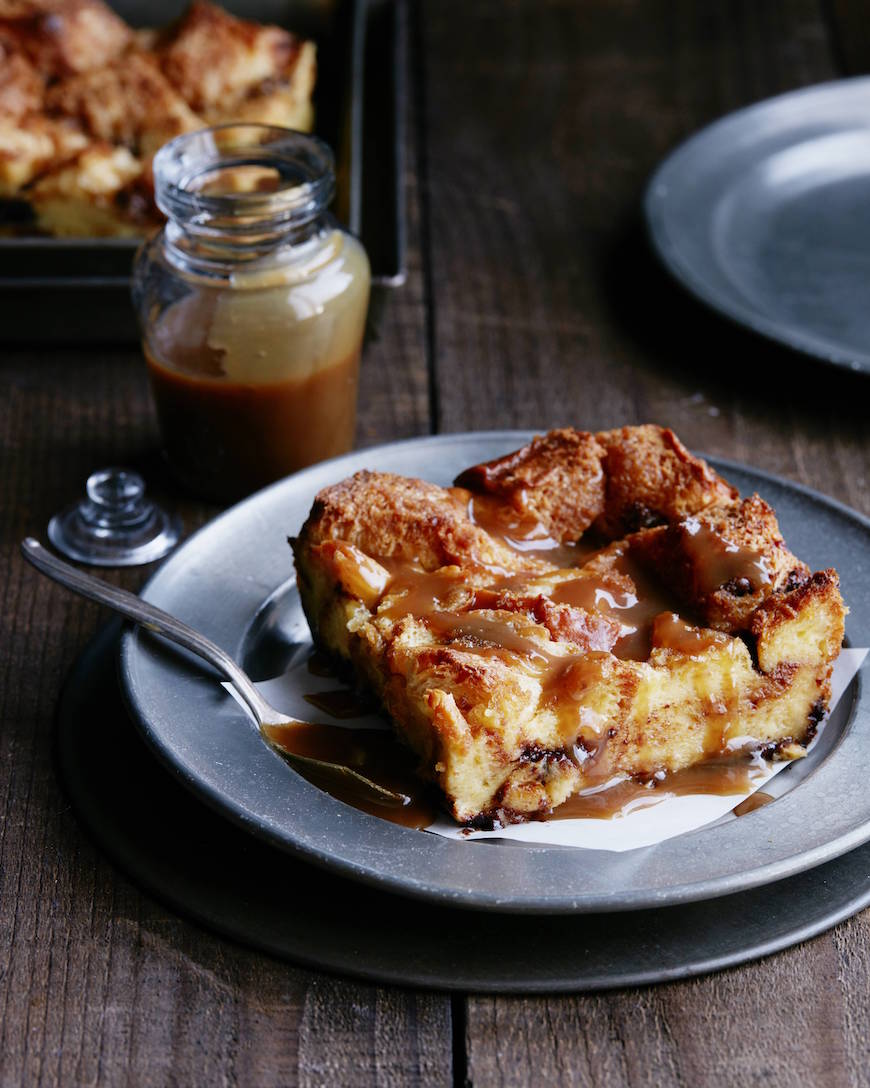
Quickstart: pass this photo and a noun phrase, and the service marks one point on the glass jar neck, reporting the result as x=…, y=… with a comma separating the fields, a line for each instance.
x=243, y=196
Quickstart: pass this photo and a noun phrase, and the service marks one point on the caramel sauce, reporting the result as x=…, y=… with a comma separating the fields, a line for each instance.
x=482, y=632
x=254, y=433
x=755, y=801
x=373, y=753
x=718, y=777
x=634, y=611
x=521, y=532
x=718, y=562
x=673, y=633
x=419, y=592
x=340, y=704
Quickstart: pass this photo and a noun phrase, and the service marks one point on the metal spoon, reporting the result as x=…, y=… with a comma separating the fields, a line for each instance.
x=155, y=619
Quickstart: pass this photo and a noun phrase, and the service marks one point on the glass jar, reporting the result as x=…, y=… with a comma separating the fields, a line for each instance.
x=252, y=304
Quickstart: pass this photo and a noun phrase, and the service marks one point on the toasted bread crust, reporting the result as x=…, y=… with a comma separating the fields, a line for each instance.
x=125, y=102
x=214, y=58
x=62, y=37
x=619, y=481
x=74, y=79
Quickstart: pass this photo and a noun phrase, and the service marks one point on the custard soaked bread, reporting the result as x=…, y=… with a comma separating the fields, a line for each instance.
x=588, y=608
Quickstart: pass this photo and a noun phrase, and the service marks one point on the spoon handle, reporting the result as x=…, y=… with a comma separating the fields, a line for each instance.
x=154, y=619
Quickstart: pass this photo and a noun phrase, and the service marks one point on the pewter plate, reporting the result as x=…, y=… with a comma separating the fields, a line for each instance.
x=203, y=866
x=765, y=216
x=233, y=580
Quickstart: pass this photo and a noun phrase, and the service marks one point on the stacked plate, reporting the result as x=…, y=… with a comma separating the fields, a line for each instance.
x=272, y=861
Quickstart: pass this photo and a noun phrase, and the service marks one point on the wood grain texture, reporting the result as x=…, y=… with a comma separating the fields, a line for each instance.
x=99, y=985
x=549, y=310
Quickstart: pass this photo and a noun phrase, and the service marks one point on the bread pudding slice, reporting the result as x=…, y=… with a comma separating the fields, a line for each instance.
x=588, y=608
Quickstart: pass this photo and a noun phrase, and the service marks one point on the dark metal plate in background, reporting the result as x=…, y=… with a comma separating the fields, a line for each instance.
x=765, y=216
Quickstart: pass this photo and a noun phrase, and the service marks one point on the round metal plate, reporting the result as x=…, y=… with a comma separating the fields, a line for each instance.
x=204, y=867
x=765, y=215
x=219, y=580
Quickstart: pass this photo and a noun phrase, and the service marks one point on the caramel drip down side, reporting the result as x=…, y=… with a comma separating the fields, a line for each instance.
x=718, y=562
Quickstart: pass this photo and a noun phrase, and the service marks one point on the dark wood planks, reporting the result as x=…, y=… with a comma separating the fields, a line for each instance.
x=543, y=121
x=98, y=983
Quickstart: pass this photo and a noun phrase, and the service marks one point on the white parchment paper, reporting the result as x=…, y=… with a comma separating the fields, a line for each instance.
x=644, y=827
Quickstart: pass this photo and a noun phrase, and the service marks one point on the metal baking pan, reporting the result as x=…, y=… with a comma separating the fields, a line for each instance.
x=70, y=290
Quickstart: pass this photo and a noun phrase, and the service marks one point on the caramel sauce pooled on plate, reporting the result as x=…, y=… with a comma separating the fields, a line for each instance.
x=635, y=612
x=374, y=753
x=721, y=778
x=755, y=801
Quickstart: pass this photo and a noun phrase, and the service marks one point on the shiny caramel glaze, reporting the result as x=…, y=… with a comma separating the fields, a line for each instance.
x=721, y=778
x=755, y=801
x=720, y=562
x=375, y=753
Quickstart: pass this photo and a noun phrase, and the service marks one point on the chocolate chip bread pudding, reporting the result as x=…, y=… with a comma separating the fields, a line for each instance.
x=589, y=608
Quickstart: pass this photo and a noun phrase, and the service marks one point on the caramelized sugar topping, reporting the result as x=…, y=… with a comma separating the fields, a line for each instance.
x=719, y=562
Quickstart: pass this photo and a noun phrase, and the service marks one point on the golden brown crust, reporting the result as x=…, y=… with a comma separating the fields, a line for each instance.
x=390, y=516
x=511, y=679
x=620, y=481
x=652, y=478
x=62, y=37
x=21, y=86
x=557, y=479
x=128, y=102
x=679, y=555
x=32, y=145
x=215, y=59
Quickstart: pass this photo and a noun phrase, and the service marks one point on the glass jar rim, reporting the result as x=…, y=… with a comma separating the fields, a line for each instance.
x=305, y=162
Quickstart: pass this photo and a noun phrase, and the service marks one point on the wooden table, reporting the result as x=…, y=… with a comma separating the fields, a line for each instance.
x=531, y=302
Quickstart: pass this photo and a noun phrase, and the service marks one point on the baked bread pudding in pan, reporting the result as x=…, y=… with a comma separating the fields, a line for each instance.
x=86, y=102
x=590, y=607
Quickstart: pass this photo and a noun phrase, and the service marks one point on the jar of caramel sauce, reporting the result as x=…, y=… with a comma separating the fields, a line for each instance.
x=252, y=303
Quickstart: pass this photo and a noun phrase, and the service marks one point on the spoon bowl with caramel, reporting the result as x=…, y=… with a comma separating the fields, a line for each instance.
x=288, y=736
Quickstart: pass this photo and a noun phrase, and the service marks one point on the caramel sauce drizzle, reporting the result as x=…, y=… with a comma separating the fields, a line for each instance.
x=719, y=562
x=648, y=615
x=521, y=532
x=375, y=753
x=626, y=795
x=755, y=801
x=635, y=612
